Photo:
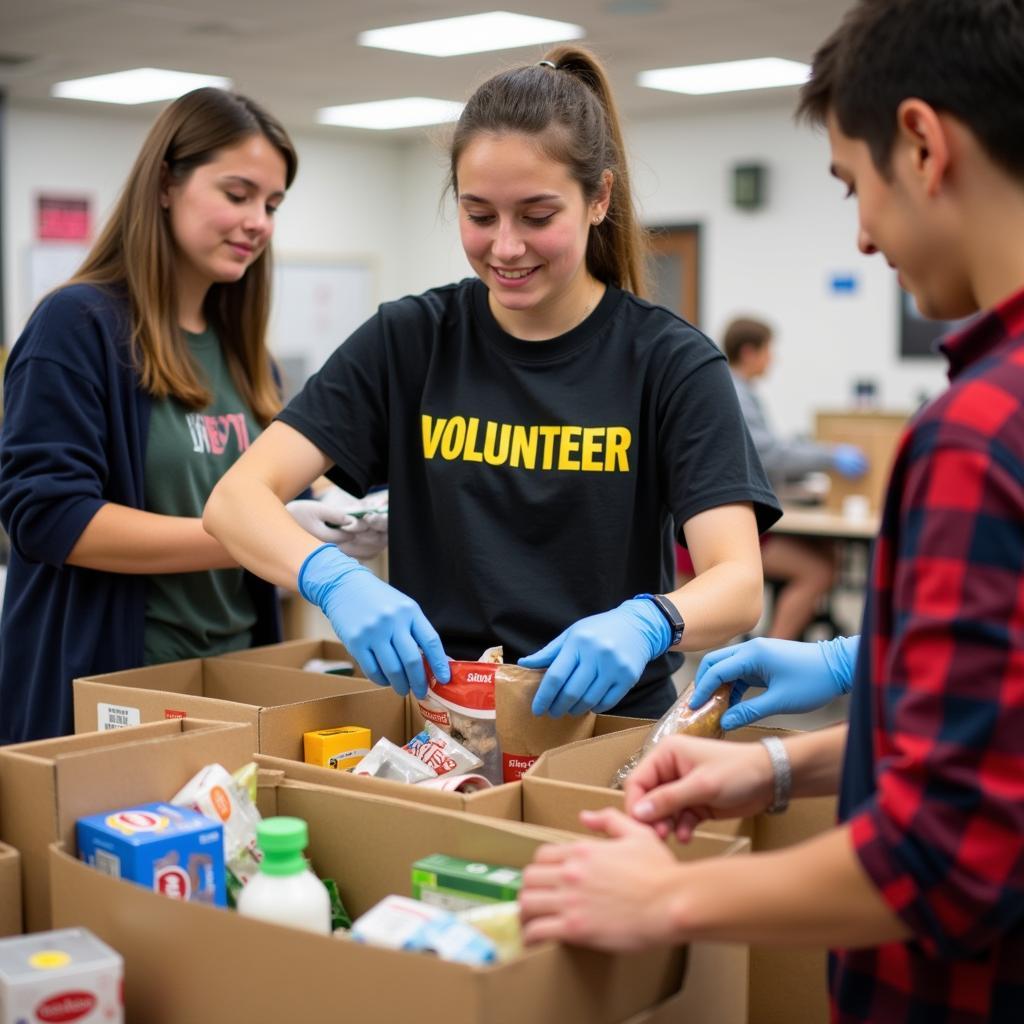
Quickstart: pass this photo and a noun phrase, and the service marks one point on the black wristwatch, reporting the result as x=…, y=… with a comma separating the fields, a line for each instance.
x=671, y=613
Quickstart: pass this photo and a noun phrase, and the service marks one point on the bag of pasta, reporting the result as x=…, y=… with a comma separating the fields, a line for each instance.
x=681, y=719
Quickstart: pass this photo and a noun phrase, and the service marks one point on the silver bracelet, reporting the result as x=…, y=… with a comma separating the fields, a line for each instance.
x=782, y=774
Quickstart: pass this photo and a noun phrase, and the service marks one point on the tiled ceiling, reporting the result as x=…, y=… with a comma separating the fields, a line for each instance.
x=299, y=55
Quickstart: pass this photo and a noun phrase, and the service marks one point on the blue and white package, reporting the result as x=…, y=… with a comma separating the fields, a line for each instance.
x=398, y=922
x=173, y=850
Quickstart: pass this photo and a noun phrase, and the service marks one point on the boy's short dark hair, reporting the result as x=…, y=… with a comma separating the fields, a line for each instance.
x=744, y=332
x=962, y=57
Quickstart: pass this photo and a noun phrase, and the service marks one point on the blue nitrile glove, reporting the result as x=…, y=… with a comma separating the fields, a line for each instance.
x=799, y=677
x=384, y=629
x=595, y=662
x=849, y=460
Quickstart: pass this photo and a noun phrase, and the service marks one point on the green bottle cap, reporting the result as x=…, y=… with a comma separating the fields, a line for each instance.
x=282, y=841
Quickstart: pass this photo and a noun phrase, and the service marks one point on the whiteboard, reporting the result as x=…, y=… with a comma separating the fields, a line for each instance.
x=316, y=305
x=50, y=264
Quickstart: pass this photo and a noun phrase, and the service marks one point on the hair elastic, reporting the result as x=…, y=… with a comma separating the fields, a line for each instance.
x=547, y=64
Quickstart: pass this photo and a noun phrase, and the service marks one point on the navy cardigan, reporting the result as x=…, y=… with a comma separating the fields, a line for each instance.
x=73, y=438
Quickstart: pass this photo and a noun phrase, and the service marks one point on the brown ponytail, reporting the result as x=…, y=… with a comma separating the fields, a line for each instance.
x=571, y=105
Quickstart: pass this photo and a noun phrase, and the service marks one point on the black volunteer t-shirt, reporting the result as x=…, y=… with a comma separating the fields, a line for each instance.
x=533, y=483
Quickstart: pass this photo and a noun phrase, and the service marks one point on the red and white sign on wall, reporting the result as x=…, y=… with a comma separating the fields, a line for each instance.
x=63, y=218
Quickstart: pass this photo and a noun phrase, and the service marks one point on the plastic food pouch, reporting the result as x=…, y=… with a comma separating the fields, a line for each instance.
x=441, y=752
x=387, y=760
x=464, y=708
x=681, y=720
x=522, y=735
x=213, y=792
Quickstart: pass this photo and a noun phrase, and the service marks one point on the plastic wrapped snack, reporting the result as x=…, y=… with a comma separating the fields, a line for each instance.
x=681, y=719
x=464, y=708
x=442, y=752
x=387, y=760
x=217, y=794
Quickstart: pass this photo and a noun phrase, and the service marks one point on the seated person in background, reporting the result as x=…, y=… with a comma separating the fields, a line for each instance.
x=805, y=566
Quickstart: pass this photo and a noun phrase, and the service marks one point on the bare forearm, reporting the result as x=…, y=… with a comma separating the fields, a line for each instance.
x=718, y=604
x=816, y=759
x=814, y=894
x=129, y=540
x=252, y=523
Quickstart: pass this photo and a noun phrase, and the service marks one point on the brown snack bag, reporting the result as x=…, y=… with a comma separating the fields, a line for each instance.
x=681, y=720
x=522, y=735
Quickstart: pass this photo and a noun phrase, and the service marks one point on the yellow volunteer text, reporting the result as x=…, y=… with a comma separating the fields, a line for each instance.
x=587, y=449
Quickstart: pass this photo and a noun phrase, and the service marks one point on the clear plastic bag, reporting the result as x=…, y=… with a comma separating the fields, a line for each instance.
x=681, y=719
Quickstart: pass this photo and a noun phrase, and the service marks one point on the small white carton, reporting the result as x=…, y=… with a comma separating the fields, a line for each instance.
x=65, y=975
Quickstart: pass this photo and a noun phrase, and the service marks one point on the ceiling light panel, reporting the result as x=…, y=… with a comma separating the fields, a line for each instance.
x=474, y=33
x=139, y=85
x=409, y=112
x=731, y=76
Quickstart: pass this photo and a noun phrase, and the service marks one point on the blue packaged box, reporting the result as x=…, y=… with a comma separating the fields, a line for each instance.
x=172, y=850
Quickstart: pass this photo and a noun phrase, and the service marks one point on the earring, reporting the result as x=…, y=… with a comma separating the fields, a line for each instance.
x=597, y=220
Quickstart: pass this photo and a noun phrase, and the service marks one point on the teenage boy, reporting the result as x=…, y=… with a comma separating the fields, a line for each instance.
x=920, y=890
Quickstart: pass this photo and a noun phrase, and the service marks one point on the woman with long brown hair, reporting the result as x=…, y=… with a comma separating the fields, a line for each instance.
x=131, y=390
x=545, y=433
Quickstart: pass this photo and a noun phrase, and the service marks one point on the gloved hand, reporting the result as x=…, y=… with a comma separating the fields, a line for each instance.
x=799, y=677
x=383, y=628
x=849, y=461
x=594, y=663
x=359, y=526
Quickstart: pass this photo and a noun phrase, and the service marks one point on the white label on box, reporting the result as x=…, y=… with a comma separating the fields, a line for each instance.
x=115, y=716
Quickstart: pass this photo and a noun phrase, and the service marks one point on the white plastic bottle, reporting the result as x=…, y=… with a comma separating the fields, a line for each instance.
x=286, y=891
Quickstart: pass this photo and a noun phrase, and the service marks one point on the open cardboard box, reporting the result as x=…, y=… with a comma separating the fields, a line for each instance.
x=294, y=653
x=280, y=703
x=10, y=891
x=250, y=970
x=398, y=719
x=47, y=785
x=786, y=985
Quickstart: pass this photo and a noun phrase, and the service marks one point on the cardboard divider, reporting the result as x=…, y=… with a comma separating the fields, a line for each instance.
x=10, y=891
x=47, y=785
x=245, y=969
x=280, y=703
x=786, y=985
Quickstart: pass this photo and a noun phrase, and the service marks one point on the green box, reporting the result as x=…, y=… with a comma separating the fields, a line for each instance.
x=457, y=884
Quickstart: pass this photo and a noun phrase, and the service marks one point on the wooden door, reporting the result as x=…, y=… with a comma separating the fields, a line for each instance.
x=674, y=270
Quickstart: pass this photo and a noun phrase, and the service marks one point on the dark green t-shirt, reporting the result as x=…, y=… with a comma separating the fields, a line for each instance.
x=196, y=614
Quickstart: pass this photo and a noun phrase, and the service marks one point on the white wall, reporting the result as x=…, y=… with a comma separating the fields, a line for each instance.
x=381, y=199
x=776, y=263
x=348, y=198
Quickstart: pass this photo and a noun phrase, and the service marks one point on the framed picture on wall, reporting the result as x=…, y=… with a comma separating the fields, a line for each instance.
x=919, y=336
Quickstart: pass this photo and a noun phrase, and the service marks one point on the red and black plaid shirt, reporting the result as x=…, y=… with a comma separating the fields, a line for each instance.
x=933, y=784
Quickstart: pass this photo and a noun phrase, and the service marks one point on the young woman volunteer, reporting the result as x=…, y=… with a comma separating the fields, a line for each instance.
x=131, y=390
x=543, y=430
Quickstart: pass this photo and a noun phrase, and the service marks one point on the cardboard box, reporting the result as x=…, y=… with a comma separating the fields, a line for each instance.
x=786, y=985
x=293, y=653
x=250, y=970
x=10, y=891
x=877, y=434
x=280, y=703
x=398, y=719
x=47, y=785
